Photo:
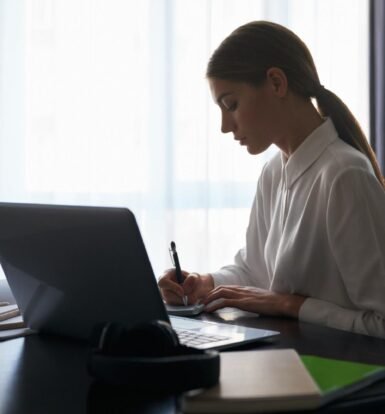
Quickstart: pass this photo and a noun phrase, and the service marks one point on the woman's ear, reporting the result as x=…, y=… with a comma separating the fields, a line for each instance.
x=277, y=80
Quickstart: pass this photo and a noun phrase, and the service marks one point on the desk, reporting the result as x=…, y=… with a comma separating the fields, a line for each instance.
x=45, y=374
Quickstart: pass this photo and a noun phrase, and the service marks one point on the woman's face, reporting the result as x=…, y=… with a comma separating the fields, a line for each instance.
x=248, y=112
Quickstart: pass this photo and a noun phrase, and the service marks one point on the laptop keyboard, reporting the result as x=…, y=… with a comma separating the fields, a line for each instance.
x=191, y=338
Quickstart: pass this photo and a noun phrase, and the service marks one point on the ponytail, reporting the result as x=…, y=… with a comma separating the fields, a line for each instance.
x=347, y=126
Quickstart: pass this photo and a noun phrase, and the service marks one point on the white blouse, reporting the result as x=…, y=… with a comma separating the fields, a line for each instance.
x=317, y=229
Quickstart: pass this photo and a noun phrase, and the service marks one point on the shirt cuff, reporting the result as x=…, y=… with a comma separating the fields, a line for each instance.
x=328, y=314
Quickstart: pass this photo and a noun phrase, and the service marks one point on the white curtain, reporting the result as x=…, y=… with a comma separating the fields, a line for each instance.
x=104, y=102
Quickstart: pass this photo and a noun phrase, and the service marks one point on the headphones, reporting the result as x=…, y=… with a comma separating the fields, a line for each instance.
x=149, y=358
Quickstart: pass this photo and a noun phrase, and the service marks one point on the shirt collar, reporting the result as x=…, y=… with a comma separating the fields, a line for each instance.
x=308, y=152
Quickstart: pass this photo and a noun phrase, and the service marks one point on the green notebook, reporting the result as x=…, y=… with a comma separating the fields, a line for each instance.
x=337, y=378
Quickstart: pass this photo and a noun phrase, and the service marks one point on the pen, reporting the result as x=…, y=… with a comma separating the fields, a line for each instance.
x=178, y=270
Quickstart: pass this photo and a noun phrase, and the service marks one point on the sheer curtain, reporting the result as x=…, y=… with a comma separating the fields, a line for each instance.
x=104, y=102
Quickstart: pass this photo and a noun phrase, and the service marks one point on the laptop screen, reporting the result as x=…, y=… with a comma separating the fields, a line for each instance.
x=71, y=267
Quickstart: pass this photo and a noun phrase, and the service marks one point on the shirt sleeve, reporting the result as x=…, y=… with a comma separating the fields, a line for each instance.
x=249, y=268
x=355, y=220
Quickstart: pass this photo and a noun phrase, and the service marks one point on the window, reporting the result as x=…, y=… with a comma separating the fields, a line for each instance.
x=105, y=103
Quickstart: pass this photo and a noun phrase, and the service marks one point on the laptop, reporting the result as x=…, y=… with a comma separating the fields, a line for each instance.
x=71, y=267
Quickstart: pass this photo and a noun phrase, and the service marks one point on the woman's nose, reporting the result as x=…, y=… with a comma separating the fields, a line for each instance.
x=227, y=124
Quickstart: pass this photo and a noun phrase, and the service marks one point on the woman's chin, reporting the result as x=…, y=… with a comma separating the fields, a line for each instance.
x=255, y=151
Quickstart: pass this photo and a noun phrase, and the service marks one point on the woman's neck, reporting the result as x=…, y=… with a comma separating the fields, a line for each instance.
x=300, y=122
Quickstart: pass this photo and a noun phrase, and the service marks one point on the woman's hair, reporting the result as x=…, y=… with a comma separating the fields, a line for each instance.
x=248, y=52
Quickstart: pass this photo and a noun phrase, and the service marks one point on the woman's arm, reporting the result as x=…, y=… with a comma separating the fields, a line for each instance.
x=356, y=233
x=368, y=322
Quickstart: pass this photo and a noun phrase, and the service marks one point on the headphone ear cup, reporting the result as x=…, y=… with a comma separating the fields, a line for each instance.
x=165, y=336
x=111, y=336
x=104, y=335
x=151, y=339
x=155, y=338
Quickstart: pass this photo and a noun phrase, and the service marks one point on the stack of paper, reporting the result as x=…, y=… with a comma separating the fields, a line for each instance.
x=11, y=323
x=8, y=312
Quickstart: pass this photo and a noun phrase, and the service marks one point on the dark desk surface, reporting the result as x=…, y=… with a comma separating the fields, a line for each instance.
x=46, y=374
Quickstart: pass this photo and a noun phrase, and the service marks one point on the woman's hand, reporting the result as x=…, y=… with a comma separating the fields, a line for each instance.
x=194, y=286
x=253, y=299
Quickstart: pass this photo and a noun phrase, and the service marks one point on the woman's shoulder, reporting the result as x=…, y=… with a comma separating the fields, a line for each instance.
x=341, y=157
x=346, y=169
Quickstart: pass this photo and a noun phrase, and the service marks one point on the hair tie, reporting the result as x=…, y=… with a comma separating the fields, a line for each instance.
x=320, y=89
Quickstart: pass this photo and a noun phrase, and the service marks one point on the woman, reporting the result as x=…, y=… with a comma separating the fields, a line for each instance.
x=315, y=244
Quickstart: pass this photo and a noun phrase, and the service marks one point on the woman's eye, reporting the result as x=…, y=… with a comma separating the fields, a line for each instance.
x=231, y=106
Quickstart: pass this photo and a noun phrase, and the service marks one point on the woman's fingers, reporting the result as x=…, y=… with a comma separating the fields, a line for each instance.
x=222, y=297
x=244, y=303
x=171, y=298
x=191, y=283
x=224, y=292
x=194, y=286
x=245, y=298
x=171, y=285
x=172, y=292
